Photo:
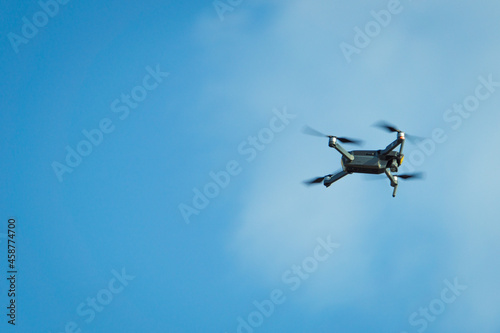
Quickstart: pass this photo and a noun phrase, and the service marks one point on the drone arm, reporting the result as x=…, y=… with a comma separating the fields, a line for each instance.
x=334, y=144
x=399, y=141
x=390, y=147
x=333, y=178
x=402, y=146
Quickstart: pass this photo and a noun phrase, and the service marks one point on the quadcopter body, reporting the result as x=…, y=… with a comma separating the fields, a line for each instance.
x=386, y=160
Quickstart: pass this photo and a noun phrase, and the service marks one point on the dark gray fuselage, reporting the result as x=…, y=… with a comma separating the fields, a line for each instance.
x=370, y=161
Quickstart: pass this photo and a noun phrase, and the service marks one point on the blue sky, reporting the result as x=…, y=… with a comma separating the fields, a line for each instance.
x=107, y=248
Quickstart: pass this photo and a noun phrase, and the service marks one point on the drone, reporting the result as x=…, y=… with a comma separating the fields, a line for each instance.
x=367, y=161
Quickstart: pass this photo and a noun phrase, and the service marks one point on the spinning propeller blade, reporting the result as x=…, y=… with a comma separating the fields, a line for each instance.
x=347, y=140
x=318, y=180
x=311, y=131
x=388, y=127
x=393, y=129
x=418, y=175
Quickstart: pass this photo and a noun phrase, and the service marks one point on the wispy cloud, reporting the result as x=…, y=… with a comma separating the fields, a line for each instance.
x=405, y=75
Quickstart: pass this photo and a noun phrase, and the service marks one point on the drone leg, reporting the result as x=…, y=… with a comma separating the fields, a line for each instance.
x=394, y=192
x=401, y=148
x=394, y=181
x=333, y=178
x=333, y=143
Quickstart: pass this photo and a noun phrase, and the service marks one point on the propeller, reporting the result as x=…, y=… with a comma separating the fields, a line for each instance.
x=418, y=175
x=311, y=131
x=388, y=127
x=393, y=129
x=318, y=180
x=414, y=176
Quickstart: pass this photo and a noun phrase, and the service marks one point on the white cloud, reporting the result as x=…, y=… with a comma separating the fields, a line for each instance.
x=294, y=61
